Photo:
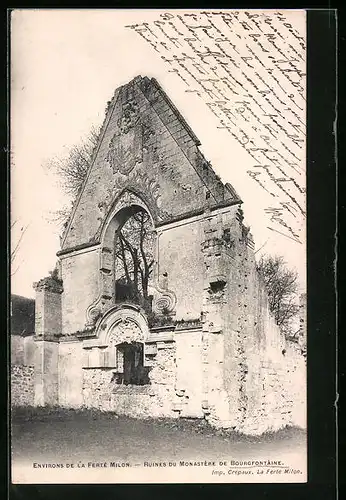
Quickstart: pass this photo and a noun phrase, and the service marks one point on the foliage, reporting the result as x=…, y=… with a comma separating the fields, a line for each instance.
x=282, y=288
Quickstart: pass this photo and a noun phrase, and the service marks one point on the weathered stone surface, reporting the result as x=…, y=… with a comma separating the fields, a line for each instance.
x=100, y=390
x=48, y=322
x=189, y=372
x=46, y=372
x=80, y=271
x=70, y=376
x=22, y=385
x=155, y=155
x=22, y=350
x=214, y=351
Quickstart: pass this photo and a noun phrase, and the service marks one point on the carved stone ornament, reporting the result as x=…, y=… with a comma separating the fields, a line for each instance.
x=164, y=301
x=126, y=330
x=129, y=116
x=122, y=323
x=125, y=151
x=126, y=146
x=94, y=312
x=147, y=185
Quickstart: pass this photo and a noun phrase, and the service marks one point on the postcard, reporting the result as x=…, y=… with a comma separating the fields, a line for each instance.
x=158, y=257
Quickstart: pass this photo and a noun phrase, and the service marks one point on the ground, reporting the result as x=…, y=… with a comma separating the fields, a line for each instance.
x=42, y=435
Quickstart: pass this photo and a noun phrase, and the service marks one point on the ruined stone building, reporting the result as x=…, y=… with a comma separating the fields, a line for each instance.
x=196, y=338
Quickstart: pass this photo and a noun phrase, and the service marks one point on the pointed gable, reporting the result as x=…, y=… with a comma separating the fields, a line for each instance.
x=145, y=146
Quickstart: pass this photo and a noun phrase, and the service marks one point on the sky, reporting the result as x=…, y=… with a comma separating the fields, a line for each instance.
x=65, y=66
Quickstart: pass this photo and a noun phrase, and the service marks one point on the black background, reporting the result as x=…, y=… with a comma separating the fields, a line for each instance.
x=324, y=42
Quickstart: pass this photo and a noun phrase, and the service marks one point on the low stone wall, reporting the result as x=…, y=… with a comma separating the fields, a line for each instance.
x=22, y=385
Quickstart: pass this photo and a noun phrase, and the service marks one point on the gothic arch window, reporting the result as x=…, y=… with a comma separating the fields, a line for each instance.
x=134, y=260
x=127, y=254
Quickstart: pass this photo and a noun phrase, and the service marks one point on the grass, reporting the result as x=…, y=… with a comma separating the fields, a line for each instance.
x=52, y=414
x=64, y=436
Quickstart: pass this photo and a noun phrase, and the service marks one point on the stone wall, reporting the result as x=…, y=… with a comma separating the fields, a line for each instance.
x=22, y=385
x=278, y=399
x=80, y=275
x=22, y=370
x=237, y=369
x=179, y=255
x=253, y=370
x=154, y=400
x=97, y=388
x=296, y=383
x=17, y=349
x=162, y=378
x=145, y=145
x=271, y=373
x=165, y=168
x=70, y=374
x=46, y=373
x=189, y=377
x=22, y=350
x=48, y=306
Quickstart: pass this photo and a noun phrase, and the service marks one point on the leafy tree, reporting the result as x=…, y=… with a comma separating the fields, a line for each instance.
x=282, y=288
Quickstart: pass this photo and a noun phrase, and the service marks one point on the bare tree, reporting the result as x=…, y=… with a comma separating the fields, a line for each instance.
x=16, y=243
x=282, y=288
x=134, y=257
x=133, y=242
x=72, y=169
